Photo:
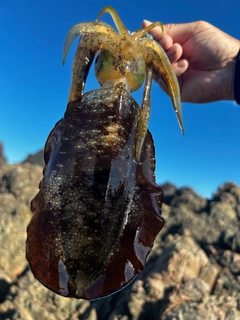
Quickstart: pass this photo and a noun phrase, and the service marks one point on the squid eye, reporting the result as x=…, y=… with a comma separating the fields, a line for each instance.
x=110, y=68
x=104, y=67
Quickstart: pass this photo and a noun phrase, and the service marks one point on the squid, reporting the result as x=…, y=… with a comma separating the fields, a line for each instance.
x=98, y=209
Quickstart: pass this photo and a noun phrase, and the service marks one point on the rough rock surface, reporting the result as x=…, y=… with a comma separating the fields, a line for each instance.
x=36, y=158
x=193, y=272
x=2, y=157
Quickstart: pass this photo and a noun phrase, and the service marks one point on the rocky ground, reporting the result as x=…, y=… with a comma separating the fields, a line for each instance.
x=193, y=272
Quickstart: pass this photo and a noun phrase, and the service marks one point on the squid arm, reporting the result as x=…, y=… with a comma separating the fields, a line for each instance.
x=144, y=115
x=156, y=58
x=94, y=35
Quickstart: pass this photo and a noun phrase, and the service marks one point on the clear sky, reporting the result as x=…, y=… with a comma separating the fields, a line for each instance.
x=34, y=86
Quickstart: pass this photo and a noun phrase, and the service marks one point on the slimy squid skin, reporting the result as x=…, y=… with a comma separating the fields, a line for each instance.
x=98, y=209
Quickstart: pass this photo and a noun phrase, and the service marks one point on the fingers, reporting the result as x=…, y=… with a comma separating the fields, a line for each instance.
x=180, y=67
x=174, y=50
x=179, y=33
x=155, y=32
x=165, y=41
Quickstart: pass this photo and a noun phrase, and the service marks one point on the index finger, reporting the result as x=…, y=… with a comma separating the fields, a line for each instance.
x=178, y=33
x=164, y=40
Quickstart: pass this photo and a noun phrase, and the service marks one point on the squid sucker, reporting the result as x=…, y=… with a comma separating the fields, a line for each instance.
x=98, y=209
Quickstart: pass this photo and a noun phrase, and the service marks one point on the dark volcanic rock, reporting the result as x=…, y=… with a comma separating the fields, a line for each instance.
x=193, y=271
x=169, y=190
x=36, y=158
x=3, y=160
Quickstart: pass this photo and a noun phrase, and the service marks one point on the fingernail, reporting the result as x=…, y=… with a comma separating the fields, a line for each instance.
x=182, y=64
x=147, y=22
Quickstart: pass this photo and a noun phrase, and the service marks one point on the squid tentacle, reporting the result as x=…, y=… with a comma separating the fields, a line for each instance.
x=99, y=29
x=140, y=33
x=144, y=115
x=156, y=58
x=120, y=26
x=82, y=62
x=93, y=36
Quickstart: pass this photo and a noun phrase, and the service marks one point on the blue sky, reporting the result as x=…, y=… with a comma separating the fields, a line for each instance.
x=34, y=86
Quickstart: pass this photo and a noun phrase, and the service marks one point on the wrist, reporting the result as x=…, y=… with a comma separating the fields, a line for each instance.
x=236, y=83
x=234, y=75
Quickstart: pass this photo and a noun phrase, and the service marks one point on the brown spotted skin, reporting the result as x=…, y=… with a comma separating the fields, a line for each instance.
x=97, y=212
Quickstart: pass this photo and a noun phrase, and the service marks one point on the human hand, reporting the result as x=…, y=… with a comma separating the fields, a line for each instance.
x=203, y=58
